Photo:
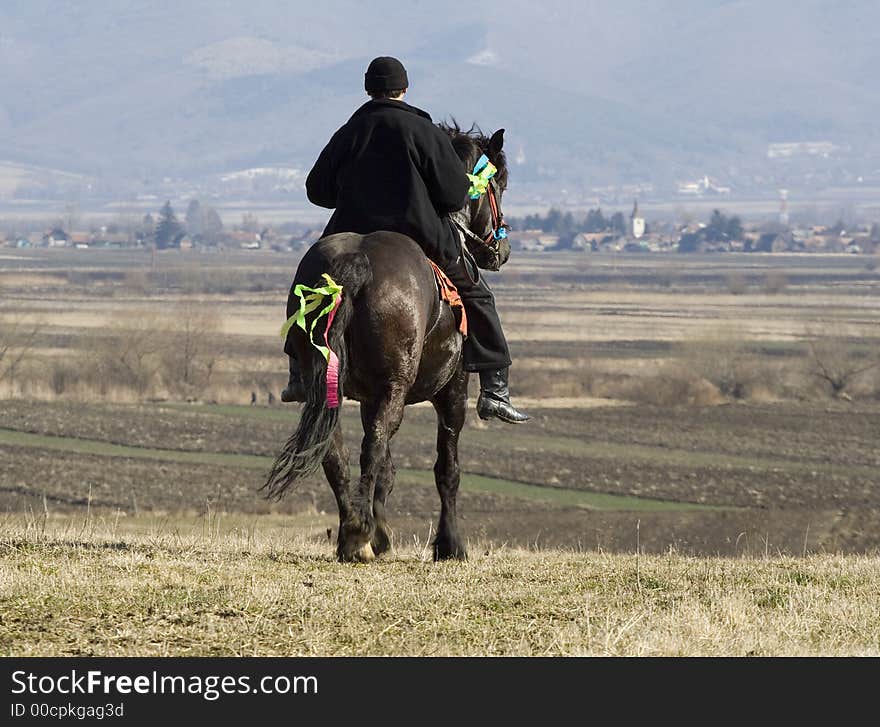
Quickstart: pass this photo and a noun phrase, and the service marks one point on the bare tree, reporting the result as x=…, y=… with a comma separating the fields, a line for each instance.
x=837, y=363
x=190, y=352
x=17, y=341
x=249, y=223
x=128, y=352
x=71, y=217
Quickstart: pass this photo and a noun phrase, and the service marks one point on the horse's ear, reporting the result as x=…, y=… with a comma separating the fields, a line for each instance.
x=496, y=143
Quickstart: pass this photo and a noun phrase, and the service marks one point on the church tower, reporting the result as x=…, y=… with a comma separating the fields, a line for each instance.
x=637, y=224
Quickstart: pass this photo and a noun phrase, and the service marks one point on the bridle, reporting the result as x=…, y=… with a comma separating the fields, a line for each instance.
x=497, y=226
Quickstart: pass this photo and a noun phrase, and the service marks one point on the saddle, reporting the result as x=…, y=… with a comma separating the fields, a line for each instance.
x=448, y=292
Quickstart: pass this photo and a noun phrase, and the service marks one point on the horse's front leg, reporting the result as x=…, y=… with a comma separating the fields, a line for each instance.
x=451, y=406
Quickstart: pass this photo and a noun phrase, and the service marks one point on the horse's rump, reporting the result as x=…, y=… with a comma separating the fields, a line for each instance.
x=397, y=329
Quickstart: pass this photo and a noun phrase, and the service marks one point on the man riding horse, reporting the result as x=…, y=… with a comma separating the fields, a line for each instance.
x=390, y=168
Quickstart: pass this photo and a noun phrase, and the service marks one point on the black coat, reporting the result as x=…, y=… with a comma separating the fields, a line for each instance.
x=390, y=168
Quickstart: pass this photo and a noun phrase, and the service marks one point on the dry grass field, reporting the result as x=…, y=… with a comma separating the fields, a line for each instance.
x=700, y=476
x=166, y=586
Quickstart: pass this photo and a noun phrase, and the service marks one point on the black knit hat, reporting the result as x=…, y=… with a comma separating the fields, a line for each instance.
x=385, y=74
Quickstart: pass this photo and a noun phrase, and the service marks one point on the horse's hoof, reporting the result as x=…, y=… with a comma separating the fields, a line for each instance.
x=381, y=542
x=364, y=554
x=449, y=551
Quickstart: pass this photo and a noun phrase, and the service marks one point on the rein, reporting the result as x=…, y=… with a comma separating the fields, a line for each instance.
x=499, y=226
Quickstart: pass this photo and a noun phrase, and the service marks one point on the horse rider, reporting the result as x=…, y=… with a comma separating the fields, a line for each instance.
x=390, y=168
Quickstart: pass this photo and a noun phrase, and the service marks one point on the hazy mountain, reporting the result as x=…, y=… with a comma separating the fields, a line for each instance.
x=603, y=92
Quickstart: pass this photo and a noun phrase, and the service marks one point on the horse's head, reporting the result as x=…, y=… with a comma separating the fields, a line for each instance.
x=482, y=214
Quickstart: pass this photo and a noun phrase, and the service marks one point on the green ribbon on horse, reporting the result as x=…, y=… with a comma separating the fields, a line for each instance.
x=310, y=299
x=484, y=170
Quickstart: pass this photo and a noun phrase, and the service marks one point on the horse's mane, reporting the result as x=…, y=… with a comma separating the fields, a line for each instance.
x=470, y=144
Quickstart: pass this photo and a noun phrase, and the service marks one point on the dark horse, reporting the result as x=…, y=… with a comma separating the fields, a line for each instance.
x=398, y=344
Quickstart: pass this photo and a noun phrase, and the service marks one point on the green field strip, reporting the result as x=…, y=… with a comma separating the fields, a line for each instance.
x=479, y=483
x=284, y=413
x=560, y=496
x=640, y=453
x=106, y=449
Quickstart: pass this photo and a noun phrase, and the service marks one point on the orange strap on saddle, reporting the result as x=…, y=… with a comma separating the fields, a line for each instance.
x=450, y=294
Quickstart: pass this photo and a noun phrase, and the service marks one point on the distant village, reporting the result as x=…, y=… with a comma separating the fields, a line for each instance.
x=813, y=239
x=202, y=229
x=108, y=237
x=595, y=233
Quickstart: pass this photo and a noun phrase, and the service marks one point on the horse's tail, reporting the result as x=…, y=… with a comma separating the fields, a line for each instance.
x=305, y=450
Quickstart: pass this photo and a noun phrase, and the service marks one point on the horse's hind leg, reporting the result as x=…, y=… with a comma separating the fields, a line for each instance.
x=338, y=473
x=451, y=406
x=381, y=419
x=384, y=484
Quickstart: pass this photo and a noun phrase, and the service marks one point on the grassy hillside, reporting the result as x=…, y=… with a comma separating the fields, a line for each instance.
x=224, y=587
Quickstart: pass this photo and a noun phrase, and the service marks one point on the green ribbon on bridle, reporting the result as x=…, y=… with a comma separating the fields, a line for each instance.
x=311, y=299
x=484, y=170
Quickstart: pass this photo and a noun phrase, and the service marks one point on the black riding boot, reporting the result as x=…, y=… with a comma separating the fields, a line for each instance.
x=494, y=399
x=294, y=390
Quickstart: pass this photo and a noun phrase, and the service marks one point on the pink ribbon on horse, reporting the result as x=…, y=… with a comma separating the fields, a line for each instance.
x=332, y=361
